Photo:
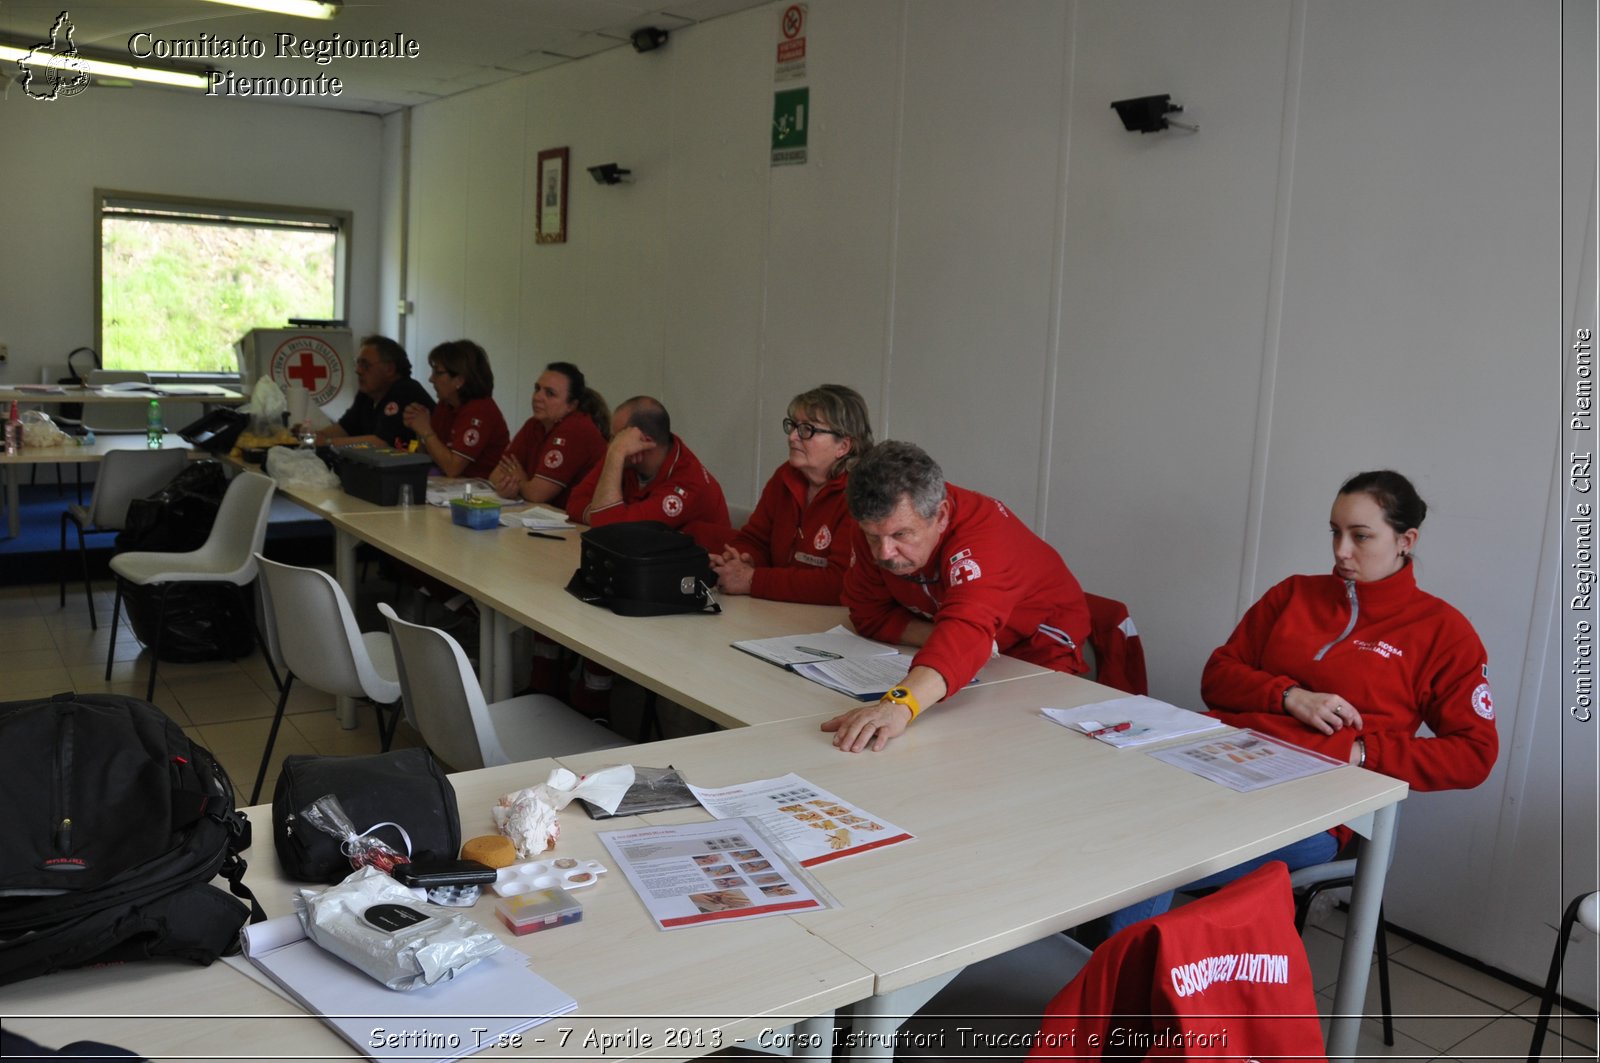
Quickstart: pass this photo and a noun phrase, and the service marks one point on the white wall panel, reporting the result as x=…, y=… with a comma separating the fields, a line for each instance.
x=828, y=276
x=976, y=216
x=1169, y=253
x=1423, y=262
x=1168, y=350
x=150, y=140
x=714, y=225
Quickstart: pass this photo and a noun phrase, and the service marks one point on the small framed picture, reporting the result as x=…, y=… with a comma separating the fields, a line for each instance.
x=551, y=226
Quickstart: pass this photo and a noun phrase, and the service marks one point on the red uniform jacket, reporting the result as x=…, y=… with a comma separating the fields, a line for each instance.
x=563, y=455
x=800, y=551
x=682, y=495
x=1401, y=656
x=1225, y=976
x=475, y=430
x=990, y=582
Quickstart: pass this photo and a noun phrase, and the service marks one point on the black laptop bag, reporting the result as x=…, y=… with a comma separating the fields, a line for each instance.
x=644, y=568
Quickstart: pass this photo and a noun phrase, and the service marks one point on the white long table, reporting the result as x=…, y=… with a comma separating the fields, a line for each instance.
x=67, y=454
x=640, y=993
x=520, y=580
x=1148, y=827
x=1024, y=828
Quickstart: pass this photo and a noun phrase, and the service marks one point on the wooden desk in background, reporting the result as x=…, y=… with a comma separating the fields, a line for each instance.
x=67, y=454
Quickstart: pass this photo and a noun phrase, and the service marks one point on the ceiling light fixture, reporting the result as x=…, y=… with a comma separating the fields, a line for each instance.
x=41, y=60
x=298, y=8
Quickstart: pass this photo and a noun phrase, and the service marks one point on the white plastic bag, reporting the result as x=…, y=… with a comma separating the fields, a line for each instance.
x=38, y=430
x=296, y=467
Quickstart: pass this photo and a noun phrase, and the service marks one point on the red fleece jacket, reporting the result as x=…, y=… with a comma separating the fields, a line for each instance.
x=990, y=582
x=1402, y=657
x=800, y=551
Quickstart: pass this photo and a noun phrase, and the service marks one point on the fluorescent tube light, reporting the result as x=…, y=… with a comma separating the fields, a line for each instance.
x=159, y=75
x=299, y=8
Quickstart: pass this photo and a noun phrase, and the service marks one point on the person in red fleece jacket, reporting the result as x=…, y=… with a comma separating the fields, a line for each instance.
x=648, y=474
x=1355, y=664
x=796, y=545
x=954, y=572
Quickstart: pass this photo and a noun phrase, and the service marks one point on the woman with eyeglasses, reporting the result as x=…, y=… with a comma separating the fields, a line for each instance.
x=796, y=545
x=466, y=433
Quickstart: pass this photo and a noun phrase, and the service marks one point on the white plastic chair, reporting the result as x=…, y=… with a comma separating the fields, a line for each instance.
x=124, y=476
x=312, y=631
x=116, y=418
x=228, y=556
x=1584, y=909
x=443, y=698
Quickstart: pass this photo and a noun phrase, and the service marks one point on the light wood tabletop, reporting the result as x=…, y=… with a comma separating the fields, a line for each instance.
x=688, y=658
x=70, y=453
x=1023, y=827
x=640, y=991
x=56, y=395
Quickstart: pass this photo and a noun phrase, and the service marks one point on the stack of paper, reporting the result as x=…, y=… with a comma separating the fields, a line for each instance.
x=1146, y=719
x=481, y=1007
x=537, y=518
x=839, y=659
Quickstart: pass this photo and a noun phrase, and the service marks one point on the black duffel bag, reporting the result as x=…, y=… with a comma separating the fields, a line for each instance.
x=644, y=568
x=404, y=786
x=201, y=621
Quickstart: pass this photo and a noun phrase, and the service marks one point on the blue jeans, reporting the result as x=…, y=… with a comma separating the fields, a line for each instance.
x=1317, y=849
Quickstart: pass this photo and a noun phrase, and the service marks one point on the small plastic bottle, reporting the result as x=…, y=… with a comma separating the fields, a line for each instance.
x=13, y=430
x=155, y=430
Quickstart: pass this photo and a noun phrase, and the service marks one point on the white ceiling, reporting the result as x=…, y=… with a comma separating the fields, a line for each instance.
x=462, y=45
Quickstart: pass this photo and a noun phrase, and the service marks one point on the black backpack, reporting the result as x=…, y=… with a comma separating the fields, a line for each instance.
x=115, y=824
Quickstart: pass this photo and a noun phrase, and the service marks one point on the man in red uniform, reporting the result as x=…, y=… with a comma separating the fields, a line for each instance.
x=954, y=572
x=648, y=474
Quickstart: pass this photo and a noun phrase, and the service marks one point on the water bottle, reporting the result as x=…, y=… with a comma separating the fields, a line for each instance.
x=154, y=430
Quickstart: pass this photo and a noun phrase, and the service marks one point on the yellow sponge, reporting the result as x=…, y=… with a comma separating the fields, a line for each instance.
x=492, y=850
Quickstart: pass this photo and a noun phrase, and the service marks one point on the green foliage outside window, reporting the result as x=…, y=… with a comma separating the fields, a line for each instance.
x=175, y=297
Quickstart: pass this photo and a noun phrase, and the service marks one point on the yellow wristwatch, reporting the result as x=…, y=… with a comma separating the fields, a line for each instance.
x=902, y=696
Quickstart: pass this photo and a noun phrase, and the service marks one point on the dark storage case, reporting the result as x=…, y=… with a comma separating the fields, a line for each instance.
x=376, y=474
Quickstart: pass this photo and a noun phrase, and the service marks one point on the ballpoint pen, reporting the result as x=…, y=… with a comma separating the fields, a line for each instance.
x=547, y=535
x=1112, y=729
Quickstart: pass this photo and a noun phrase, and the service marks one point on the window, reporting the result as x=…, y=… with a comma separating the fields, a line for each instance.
x=181, y=280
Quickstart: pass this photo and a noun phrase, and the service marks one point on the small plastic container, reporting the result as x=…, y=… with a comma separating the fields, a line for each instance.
x=476, y=512
x=529, y=913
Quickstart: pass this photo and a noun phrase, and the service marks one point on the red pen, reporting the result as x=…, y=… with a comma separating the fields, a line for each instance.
x=1113, y=729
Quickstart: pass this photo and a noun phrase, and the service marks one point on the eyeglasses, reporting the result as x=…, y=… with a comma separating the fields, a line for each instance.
x=805, y=429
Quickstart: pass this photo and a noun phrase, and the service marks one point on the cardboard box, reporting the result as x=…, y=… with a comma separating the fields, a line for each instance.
x=377, y=473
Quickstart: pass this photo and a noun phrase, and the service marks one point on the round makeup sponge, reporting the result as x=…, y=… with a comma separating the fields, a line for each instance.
x=492, y=850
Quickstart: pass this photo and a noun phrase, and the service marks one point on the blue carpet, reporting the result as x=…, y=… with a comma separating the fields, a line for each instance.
x=33, y=556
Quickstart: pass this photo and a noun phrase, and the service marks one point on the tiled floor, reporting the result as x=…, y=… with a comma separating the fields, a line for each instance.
x=1447, y=1011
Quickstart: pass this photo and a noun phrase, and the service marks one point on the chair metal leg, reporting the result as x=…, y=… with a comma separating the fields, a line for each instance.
x=1547, y=999
x=1383, y=981
x=650, y=722
x=155, y=647
x=388, y=722
x=249, y=608
x=88, y=592
x=116, y=622
x=61, y=567
x=272, y=737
